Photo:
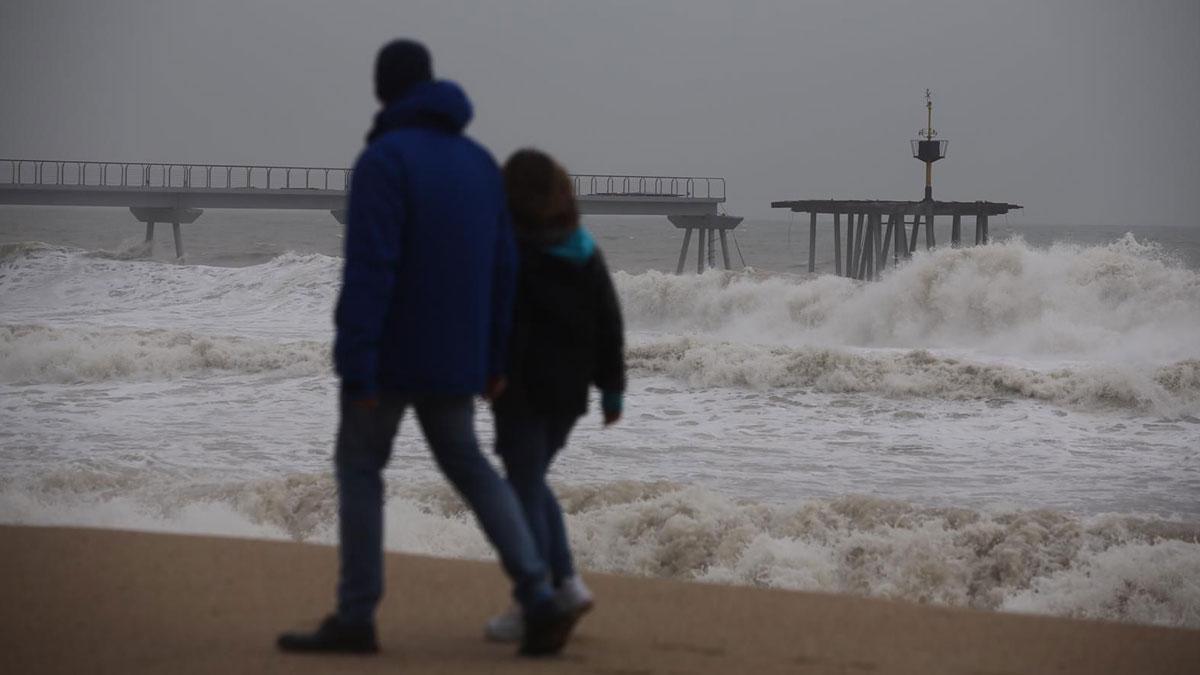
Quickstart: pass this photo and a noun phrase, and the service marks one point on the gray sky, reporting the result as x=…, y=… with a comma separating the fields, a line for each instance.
x=1084, y=111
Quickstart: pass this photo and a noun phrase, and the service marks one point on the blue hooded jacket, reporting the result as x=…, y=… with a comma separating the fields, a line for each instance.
x=427, y=294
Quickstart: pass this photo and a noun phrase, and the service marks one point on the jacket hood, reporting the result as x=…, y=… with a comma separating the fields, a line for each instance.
x=578, y=247
x=439, y=104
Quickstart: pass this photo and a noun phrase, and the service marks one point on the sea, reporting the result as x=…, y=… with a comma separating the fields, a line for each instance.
x=1010, y=427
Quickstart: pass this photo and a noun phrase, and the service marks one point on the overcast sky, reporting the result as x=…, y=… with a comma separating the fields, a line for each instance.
x=1085, y=111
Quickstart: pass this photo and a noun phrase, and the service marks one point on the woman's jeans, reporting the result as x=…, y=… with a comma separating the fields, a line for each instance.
x=527, y=444
x=364, y=444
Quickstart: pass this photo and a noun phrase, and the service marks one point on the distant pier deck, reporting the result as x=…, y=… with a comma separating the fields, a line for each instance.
x=876, y=227
x=178, y=193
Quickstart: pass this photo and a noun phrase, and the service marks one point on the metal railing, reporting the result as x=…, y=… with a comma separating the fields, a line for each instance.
x=160, y=175
x=649, y=186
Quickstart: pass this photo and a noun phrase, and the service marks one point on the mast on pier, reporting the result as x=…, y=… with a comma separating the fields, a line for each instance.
x=926, y=149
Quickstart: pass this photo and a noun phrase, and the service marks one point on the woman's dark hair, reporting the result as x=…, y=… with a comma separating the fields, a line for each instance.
x=540, y=197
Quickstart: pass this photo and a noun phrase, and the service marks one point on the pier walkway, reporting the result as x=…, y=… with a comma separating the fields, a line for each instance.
x=178, y=193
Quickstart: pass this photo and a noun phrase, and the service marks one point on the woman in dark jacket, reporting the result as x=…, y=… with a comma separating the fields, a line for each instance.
x=567, y=335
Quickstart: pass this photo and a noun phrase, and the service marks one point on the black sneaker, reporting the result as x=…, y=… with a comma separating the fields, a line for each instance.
x=547, y=628
x=332, y=636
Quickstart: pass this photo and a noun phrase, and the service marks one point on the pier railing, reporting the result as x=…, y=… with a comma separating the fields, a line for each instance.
x=156, y=175
x=600, y=185
x=164, y=175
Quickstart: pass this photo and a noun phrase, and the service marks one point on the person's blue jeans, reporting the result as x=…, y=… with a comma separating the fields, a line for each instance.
x=527, y=444
x=364, y=444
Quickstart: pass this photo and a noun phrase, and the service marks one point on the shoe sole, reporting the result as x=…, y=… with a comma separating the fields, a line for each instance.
x=552, y=644
x=551, y=639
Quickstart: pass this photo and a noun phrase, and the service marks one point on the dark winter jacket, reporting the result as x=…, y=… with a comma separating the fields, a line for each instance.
x=426, y=303
x=567, y=332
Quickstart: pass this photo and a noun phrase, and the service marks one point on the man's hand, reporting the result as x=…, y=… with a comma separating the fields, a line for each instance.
x=495, y=386
x=611, y=417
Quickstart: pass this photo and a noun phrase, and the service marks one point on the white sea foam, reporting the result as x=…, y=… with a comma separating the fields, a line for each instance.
x=1122, y=301
x=42, y=354
x=1110, y=329
x=1111, y=567
x=30, y=354
x=1171, y=390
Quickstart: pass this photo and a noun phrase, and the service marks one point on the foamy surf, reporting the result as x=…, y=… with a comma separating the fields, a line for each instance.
x=1042, y=387
x=1171, y=390
x=32, y=354
x=1124, y=301
x=1109, y=567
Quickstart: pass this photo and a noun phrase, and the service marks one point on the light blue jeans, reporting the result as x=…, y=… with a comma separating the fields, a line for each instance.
x=364, y=444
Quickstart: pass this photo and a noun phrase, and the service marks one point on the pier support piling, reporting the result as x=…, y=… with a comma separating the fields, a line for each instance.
x=837, y=244
x=812, y=243
x=869, y=243
x=687, y=239
x=887, y=236
x=709, y=229
x=916, y=227
x=177, y=217
x=850, y=245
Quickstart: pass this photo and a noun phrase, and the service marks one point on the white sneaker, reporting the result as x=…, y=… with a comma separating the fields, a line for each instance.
x=573, y=596
x=506, y=627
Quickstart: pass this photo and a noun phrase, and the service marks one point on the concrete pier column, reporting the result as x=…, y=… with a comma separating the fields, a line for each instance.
x=687, y=239
x=900, y=240
x=984, y=229
x=930, y=237
x=956, y=231
x=850, y=245
x=837, y=244
x=884, y=245
x=863, y=255
x=708, y=227
x=166, y=214
x=912, y=241
x=812, y=242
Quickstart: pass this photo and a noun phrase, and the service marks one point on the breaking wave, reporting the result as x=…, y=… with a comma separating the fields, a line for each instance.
x=1108, y=567
x=1172, y=389
x=42, y=354
x=1126, y=300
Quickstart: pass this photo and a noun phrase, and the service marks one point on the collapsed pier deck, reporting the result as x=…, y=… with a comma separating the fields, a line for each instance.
x=869, y=236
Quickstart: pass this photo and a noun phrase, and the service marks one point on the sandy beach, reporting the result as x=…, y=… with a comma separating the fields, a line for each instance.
x=81, y=600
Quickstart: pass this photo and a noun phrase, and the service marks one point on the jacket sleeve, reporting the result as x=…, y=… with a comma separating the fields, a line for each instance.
x=372, y=252
x=610, y=341
x=504, y=282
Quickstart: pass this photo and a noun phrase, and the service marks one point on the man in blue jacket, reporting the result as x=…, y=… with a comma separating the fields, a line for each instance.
x=422, y=322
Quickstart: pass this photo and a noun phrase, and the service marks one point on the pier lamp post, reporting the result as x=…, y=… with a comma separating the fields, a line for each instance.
x=926, y=149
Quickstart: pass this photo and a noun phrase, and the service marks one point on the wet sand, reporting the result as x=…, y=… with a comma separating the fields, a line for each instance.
x=79, y=600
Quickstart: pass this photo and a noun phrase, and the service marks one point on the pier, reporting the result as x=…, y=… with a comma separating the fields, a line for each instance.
x=879, y=230
x=868, y=243
x=178, y=193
